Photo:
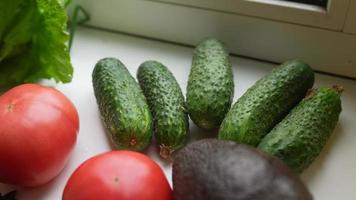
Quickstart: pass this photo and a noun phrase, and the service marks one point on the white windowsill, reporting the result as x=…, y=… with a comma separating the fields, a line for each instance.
x=332, y=176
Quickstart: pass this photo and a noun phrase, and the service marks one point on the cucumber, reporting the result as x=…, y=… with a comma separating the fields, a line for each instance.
x=266, y=103
x=167, y=106
x=122, y=105
x=210, y=85
x=300, y=137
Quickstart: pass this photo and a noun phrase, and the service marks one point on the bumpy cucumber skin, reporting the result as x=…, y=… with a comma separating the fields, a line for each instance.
x=210, y=85
x=122, y=105
x=266, y=103
x=300, y=137
x=167, y=106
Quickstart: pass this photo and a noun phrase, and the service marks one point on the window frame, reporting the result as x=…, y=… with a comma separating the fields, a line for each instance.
x=332, y=17
x=330, y=51
x=350, y=23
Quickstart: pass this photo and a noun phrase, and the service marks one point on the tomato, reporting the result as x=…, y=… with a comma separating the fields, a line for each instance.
x=38, y=130
x=118, y=175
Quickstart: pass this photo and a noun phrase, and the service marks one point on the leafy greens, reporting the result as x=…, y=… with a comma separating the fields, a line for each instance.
x=33, y=41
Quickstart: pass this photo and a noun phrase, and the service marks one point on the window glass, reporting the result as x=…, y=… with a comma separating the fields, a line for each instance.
x=312, y=2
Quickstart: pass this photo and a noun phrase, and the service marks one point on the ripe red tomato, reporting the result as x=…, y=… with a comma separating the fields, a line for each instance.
x=118, y=175
x=38, y=130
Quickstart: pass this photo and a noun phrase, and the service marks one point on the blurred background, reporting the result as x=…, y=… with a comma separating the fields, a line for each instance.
x=321, y=32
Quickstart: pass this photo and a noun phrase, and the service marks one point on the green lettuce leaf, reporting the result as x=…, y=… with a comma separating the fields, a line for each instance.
x=33, y=42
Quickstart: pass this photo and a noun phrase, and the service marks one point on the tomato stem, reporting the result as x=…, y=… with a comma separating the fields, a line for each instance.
x=9, y=107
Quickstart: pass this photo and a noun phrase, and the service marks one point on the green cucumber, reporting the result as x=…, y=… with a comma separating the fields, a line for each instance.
x=266, y=103
x=300, y=137
x=122, y=105
x=167, y=106
x=210, y=85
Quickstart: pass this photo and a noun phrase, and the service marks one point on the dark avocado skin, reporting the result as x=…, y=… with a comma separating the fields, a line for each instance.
x=122, y=105
x=266, y=103
x=212, y=169
x=167, y=106
x=210, y=84
x=300, y=137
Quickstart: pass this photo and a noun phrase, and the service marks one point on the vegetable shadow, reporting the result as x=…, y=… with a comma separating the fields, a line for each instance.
x=315, y=168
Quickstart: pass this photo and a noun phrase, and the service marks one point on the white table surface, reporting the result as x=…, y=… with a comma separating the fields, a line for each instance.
x=331, y=177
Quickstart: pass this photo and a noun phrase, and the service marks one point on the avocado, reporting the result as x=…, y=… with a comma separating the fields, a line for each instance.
x=210, y=86
x=167, y=105
x=212, y=169
x=122, y=105
x=299, y=138
x=265, y=104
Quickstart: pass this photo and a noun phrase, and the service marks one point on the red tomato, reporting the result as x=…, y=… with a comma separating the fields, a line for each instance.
x=118, y=175
x=38, y=130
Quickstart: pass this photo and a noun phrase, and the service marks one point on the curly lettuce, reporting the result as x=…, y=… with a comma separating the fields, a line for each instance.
x=33, y=41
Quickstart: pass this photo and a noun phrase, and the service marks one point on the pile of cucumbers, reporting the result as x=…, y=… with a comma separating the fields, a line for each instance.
x=280, y=114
